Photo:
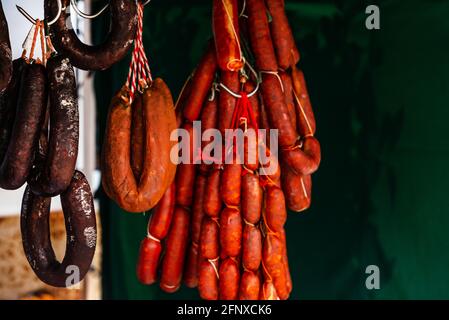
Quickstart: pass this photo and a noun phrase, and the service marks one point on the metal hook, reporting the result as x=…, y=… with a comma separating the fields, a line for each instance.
x=33, y=21
x=92, y=16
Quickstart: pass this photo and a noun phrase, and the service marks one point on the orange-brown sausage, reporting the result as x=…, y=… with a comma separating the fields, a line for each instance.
x=209, y=241
x=231, y=184
x=305, y=160
x=149, y=253
x=208, y=280
x=231, y=232
x=229, y=279
x=185, y=175
x=209, y=120
x=297, y=189
x=137, y=137
x=249, y=286
x=226, y=102
x=268, y=291
x=305, y=117
x=275, y=211
x=252, y=196
x=273, y=260
x=162, y=214
x=173, y=261
x=212, y=203
x=287, y=85
x=252, y=247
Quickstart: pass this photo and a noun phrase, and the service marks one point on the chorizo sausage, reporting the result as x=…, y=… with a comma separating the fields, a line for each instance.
x=208, y=279
x=186, y=172
x=209, y=240
x=225, y=28
x=288, y=94
x=230, y=187
x=226, y=102
x=30, y=115
x=275, y=211
x=252, y=196
x=79, y=214
x=137, y=137
x=149, y=253
x=304, y=161
x=297, y=189
x=212, y=203
x=260, y=37
x=162, y=214
x=175, y=251
x=273, y=260
x=305, y=117
x=252, y=247
x=181, y=101
x=56, y=173
x=201, y=83
x=230, y=232
x=249, y=286
x=209, y=120
x=8, y=105
x=229, y=276
x=191, y=271
x=286, y=51
x=5, y=53
x=117, y=172
x=286, y=265
x=100, y=57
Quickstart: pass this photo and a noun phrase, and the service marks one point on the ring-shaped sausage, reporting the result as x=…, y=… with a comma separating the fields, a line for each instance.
x=79, y=214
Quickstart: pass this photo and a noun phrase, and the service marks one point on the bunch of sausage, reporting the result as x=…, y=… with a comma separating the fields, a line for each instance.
x=39, y=123
x=220, y=227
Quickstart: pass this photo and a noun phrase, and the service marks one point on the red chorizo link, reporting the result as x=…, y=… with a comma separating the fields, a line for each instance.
x=286, y=265
x=175, y=251
x=31, y=107
x=297, y=189
x=56, y=172
x=5, y=53
x=260, y=36
x=275, y=211
x=137, y=136
x=287, y=85
x=185, y=175
x=226, y=102
x=273, y=260
x=277, y=110
x=191, y=271
x=201, y=83
x=212, y=203
x=208, y=280
x=249, y=286
x=149, y=253
x=229, y=279
x=209, y=120
x=304, y=161
x=270, y=171
x=209, y=241
x=230, y=187
x=286, y=51
x=252, y=247
x=226, y=34
x=231, y=232
x=182, y=100
x=305, y=117
x=112, y=50
x=162, y=214
x=252, y=196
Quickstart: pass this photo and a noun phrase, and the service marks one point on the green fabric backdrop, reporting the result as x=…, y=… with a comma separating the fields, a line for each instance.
x=380, y=98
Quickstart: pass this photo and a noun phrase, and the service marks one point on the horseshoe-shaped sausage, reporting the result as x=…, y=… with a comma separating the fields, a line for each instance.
x=79, y=214
x=5, y=52
x=100, y=57
x=57, y=171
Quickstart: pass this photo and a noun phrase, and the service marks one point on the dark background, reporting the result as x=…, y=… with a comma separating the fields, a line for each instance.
x=380, y=99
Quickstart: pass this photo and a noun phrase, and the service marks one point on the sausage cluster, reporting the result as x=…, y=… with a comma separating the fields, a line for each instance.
x=220, y=225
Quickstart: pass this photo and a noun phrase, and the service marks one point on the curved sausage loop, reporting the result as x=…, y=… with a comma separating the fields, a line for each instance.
x=100, y=57
x=5, y=53
x=54, y=176
x=79, y=214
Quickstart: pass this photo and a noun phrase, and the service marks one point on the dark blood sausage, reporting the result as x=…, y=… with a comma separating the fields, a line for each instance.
x=8, y=105
x=297, y=189
x=260, y=36
x=191, y=271
x=305, y=117
x=100, y=57
x=30, y=114
x=149, y=253
x=226, y=102
x=249, y=286
x=162, y=214
x=252, y=196
x=212, y=203
x=55, y=175
x=231, y=184
x=5, y=53
x=201, y=84
x=225, y=27
x=79, y=214
x=118, y=177
x=208, y=279
x=185, y=174
x=252, y=247
x=305, y=160
x=229, y=276
x=286, y=52
x=175, y=251
x=209, y=120
x=230, y=232
x=137, y=136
